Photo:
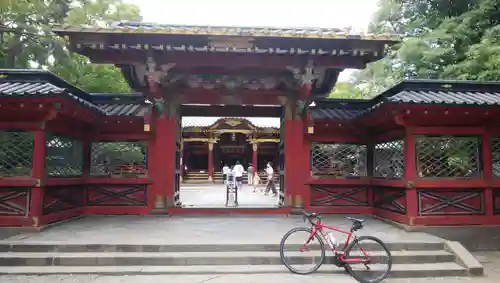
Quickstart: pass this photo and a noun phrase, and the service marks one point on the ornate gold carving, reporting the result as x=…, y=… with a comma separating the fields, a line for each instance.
x=210, y=146
x=233, y=122
x=255, y=147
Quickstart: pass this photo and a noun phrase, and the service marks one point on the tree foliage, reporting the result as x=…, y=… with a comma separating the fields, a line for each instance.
x=457, y=40
x=27, y=40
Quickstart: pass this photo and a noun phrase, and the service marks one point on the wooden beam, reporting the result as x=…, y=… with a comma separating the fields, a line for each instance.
x=189, y=60
x=230, y=111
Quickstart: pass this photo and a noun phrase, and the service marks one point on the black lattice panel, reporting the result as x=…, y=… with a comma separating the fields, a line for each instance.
x=64, y=156
x=447, y=157
x=116, y=195
x=388, y=160
x=450, y=202
x=56, y=199
x=120, y=159
x=390, y=199
x=495, y=156
x=344, y=196
x=338, y=160
x=16, y=153
x=14, y=201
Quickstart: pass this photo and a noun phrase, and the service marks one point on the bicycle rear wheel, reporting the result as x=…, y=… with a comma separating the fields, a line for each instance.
x=298, y=251
x=378, y=255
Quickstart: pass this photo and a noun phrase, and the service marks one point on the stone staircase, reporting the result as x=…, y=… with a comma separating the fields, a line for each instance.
x=410, y=260
x=202, y=177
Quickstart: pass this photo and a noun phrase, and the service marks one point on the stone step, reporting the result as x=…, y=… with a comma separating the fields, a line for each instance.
x=45, y=247
x=200, y=258
x=398, y=270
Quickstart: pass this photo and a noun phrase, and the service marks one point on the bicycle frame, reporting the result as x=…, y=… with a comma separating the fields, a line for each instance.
x=318, y=226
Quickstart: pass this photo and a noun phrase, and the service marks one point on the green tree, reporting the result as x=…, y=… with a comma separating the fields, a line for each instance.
x=27, y=39
x=346, y=90
x=445, y=40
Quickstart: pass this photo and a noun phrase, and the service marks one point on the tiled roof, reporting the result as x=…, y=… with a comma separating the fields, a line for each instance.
x=447, y=97
x=13, y=88
x=414, y=92
x=335, y=114
x=121, y=104
x=124, y=109
x=271, y=122
x=151, y=28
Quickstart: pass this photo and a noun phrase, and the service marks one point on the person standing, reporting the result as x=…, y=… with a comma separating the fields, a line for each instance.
x=270, y=186
x=250, y=174
x=225, y=171
x=238, y=174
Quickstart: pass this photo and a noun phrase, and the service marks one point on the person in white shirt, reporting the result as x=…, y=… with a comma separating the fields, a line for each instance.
x=270, y=186
x=225, y=171
x=238, y=174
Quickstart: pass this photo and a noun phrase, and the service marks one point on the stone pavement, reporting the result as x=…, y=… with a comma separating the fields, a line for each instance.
x=246, y=278
x=214, y=195
x=188, y=230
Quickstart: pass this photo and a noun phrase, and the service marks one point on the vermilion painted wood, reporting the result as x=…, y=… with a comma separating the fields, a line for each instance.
x=339, y=181
x=294, y=140
x=38, y=171
x=213, y=62
x=333, y=136
x=444, y=184
x=452, y=220
x=119, y=181
x=18, y=182
x=366, y=210
x=387, y=183
x=16, y=221
x=410, y=175
x=65, y=181
x=116, y=210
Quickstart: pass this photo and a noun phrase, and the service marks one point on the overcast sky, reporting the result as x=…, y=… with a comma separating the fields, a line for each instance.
x=275, y=13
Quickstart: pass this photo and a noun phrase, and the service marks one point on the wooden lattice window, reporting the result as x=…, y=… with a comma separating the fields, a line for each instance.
x=16, y=153
x=448, y=156
x=64, y=156
x=388, y=160
x=495, y=156
x=338, y=160
x=118, y=159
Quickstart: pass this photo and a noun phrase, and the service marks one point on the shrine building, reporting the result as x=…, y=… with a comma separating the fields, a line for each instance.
x=209, y=143
x=422, y=153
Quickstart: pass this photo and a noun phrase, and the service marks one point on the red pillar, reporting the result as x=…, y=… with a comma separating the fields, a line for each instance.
x=295, y=191
x=487, y=176
x=36, y=197
x=255, y=148
x=162, y=163
x=410, y=176
x=210, y=161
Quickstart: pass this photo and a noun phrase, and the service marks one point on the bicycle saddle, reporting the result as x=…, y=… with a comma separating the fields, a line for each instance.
x=355, y=219
x=307, y=214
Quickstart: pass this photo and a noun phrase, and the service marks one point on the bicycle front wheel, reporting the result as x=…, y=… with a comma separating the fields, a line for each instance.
x=301, y=253
x=376, y=252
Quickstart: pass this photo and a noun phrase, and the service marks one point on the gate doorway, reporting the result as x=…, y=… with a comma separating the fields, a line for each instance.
x=210, y=143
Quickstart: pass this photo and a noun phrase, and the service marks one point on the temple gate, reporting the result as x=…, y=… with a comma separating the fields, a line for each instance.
x=420, y=153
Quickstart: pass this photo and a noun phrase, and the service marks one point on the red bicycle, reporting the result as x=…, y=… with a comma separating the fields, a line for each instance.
x=347, y=257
